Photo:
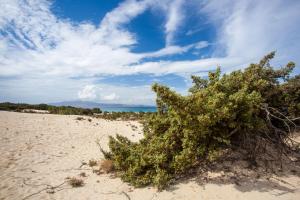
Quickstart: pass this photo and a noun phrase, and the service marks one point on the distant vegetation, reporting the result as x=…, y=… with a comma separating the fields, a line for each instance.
x=124, y=115
x=255, y=110
x=63, y=110
x=69, y=110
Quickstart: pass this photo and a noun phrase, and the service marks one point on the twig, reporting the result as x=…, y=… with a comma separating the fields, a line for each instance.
x=63, y=170
x=128, y=197
x=33, y=185
x=282, y=181
x=109, y=193
x=294, y=119
x=34, y=193
x=49, y=187
x=106, y=154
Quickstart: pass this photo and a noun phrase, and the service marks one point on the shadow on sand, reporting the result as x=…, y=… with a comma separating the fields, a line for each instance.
x=246, y=177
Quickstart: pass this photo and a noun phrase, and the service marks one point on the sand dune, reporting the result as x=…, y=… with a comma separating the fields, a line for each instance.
x=39, y=151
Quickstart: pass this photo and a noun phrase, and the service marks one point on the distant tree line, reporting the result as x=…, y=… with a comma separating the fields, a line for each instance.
x=63, y=110
x=125, y=115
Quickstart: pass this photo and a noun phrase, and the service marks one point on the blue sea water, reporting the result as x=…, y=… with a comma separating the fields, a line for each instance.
x=129, y=109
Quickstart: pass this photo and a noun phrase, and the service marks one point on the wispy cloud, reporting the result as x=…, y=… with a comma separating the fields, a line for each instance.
x=110, y=97
x=46, y=45
x=87, y=93
x=173, y=50
x=250, y=29
x=112, y=24
x=174, y=19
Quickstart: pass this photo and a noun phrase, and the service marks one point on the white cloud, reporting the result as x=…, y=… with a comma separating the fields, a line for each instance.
x=87, y=93
x=174, y=19
x=250, y=29
x=110, y=97
x=201, y=45
x=45, y=44
x=127, y=94
x=193, y=31
x=112, y=24
x=190, y=67
x=173, y=50
x=169, y=50
x=50, y=46
x=60, y=89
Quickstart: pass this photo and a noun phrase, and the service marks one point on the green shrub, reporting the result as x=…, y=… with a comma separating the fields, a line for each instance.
x=239, y=109
x=96, y=110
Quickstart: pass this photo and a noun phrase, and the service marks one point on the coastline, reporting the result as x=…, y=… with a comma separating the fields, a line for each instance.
x=135, y=109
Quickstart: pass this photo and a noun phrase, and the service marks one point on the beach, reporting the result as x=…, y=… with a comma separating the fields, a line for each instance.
x=39, y=152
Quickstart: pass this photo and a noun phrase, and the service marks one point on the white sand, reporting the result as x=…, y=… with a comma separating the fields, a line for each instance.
x=41, y=149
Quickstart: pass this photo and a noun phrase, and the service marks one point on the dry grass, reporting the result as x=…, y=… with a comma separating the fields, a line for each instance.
x=83, y=174
x=79, y=118
x=106, y=166
x=76, y=182
x=92, y=163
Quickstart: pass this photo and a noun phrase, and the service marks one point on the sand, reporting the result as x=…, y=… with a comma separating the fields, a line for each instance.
x=38, y=152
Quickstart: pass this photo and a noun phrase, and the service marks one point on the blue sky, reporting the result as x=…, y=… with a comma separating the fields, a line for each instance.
x=113, y=51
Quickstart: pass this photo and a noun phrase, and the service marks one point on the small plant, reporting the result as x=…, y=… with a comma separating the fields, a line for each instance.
x=92, y=163
x=79, y=118
x=106, y=166
x=76, y=182
x=83, y=174
x=134, y=127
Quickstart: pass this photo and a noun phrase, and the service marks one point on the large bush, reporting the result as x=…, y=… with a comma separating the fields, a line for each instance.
x=249, y=108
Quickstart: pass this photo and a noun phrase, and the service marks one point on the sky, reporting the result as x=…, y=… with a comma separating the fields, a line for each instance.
x=112, y=51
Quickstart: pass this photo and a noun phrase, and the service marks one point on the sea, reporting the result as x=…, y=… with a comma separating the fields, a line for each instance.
x=129, y=109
